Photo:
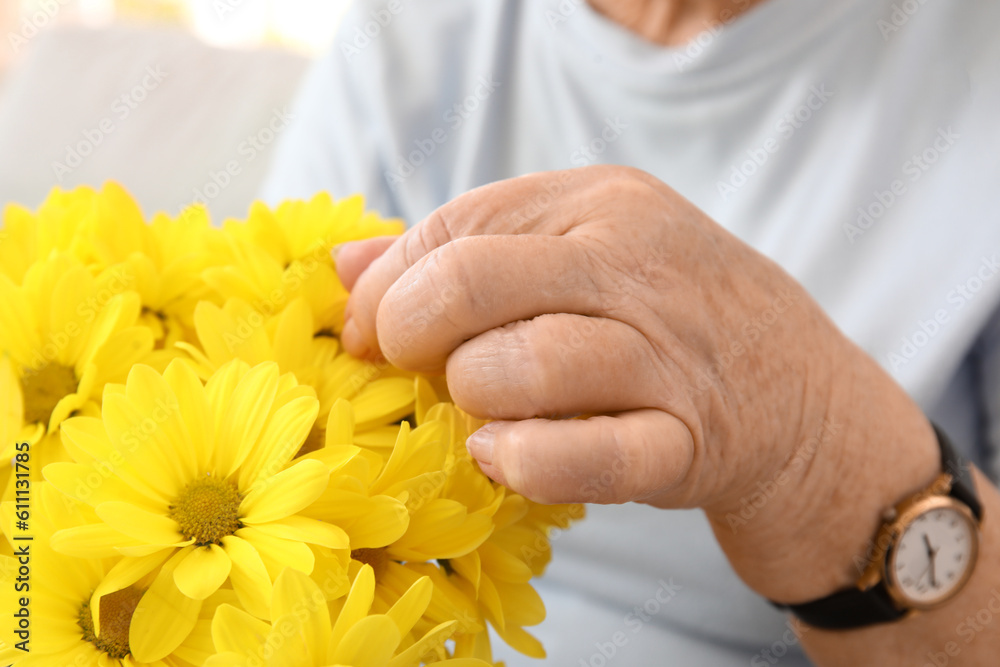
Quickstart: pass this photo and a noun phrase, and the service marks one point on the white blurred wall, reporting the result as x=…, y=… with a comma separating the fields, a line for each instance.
x=306, y=26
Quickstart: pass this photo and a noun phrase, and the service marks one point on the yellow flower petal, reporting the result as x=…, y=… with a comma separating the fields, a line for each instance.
x=504, y=565
x=278, y=553
x=340, y=424
x=470, y=567
x=292, y=341
x=491, y=602
x=370, y=642
x=522, y=642
x=298, y=596
x=19, y=333
x=122, y=351
x=143, y=550
x=153, y=398
x=356, y=607
x=192, y=405
x=249, y=576
x=11, y=402
x=88, y=436
x=119, y=312
x=283, y=436
x=163, y=618
x=430, y=641
x=245, y=416
x=228, y=659
x=412, y=605
x=142, y=445
x=202, y=571
x=71, y=291
x=370, y=522
x=92, y=541
x=124, y=573
x=522, y=604
x=234, y=630
x=93, y=484
x=227, y=333
x=286, y=493
x=383, y=402
x=442, y=528
x=303, y=529
x=219, y=390
x=140, y=524
x=66, y=406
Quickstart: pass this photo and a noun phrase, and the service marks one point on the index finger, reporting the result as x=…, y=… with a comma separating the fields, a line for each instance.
x=515, y=206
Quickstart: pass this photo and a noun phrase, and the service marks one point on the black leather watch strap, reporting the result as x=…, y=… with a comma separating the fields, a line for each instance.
x=847, y=609
x=856, y=608
x=962, y=486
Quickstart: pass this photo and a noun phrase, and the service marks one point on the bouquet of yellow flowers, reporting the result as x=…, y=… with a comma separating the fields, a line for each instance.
x=199, y=475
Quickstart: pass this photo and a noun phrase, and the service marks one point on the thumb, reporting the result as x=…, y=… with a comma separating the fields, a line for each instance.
x=604, y=459
x=353, y=258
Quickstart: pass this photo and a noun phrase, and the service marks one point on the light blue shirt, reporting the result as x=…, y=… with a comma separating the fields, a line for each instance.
x=852, y=141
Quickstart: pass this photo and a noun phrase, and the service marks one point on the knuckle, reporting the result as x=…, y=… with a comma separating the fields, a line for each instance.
x=473, y=379
x=613, y=478
x=433, y=232
x=624, y=463
x=534, y=376
x=642, y=458
x=626, y=184
x=449, y=278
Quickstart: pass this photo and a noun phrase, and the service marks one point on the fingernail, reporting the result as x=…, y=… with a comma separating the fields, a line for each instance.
x=335, y=250
x=480, y=445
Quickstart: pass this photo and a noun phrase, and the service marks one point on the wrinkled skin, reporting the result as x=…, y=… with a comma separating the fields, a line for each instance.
x=709, y=377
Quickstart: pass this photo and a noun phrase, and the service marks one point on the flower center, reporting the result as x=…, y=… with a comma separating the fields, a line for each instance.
x=159, y=324
x=116, y=617
x=207, y=510
x=377, y=558
x=43, y=389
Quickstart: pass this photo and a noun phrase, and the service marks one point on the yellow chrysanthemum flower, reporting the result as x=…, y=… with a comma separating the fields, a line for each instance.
x=61, y=630
x=64, y=334
x=379, y=394
x=278, y=255
x=417, y=470
x=308, y=632
x=217, y=456
x=162, y=261
x=498, y=578
x=493, y=572
x=196, y=478
x=27, y=237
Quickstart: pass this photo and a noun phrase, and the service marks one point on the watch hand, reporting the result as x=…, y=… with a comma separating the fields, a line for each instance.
x=931, y=553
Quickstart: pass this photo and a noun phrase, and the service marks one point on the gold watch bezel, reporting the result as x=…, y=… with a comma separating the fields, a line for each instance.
x=898, y=521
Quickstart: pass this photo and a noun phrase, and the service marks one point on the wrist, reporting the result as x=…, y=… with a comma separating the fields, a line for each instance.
x=861, y=449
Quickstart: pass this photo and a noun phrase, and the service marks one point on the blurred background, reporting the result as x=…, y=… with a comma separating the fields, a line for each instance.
x=303, y=25
x=180, y=100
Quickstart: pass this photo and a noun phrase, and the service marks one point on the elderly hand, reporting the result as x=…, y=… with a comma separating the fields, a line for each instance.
x=707, y=376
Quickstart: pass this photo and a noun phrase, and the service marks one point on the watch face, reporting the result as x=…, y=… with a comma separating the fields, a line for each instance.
x=934, y=555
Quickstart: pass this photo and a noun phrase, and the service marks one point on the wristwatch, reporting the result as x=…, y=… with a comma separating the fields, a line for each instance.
x=924, y=554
